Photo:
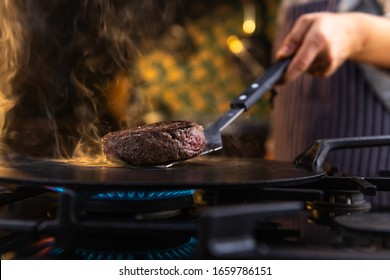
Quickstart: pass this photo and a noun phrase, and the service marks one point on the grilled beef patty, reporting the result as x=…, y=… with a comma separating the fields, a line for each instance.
x=155, y=144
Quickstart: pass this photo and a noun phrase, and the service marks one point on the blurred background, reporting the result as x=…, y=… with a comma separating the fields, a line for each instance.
x=207, y=57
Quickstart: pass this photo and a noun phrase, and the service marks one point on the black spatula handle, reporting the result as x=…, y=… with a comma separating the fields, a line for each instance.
x=263, y=84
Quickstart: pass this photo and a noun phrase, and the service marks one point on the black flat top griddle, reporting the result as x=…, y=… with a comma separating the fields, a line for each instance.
x=202, y=172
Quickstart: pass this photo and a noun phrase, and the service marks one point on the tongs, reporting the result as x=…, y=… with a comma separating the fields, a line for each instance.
x=242, y=103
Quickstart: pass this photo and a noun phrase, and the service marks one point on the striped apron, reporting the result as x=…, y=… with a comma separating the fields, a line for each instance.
x=343, y=105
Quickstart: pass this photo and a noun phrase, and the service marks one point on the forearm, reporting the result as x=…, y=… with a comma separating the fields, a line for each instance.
x=374, y=38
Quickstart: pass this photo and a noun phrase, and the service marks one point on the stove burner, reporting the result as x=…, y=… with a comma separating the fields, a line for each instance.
x=140, y=202
x=181, y=252
x=336, y=203
x=181, y=248
x=367, y=231
x=137, y=201
x=46, y=248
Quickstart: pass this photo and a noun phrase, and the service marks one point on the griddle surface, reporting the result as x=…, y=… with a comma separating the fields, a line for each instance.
x=202, y=172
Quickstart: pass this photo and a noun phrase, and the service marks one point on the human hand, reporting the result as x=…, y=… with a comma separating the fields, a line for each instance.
x=320, y=43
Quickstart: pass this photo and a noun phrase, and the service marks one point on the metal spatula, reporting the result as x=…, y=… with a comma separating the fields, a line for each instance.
x=239, y=105
x=242, y=103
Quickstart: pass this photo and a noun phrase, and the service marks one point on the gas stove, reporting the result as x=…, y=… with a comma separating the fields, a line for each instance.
x=210, y=208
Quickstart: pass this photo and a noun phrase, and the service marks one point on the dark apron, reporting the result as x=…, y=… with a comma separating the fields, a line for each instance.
x=343, y=105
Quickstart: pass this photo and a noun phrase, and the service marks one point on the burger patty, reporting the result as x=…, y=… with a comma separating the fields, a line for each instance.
x=155, y=144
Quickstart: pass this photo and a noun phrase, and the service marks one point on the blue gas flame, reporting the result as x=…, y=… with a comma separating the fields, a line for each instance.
x=142, y=195
x=182, y=252
x=135, y=195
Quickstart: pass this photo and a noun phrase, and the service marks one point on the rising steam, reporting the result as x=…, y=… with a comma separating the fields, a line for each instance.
x=60, y=62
